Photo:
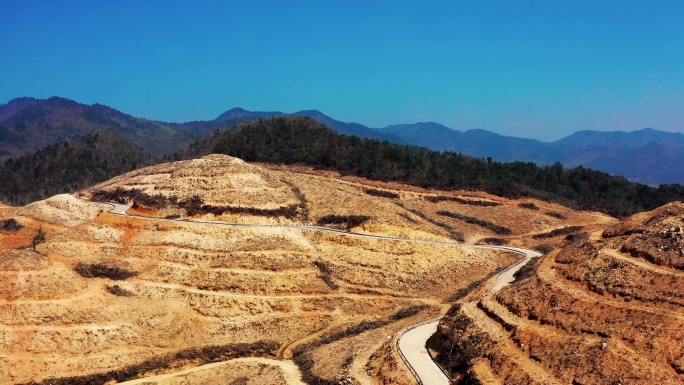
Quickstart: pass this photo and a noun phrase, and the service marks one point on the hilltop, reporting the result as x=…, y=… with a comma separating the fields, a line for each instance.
x=109, y=297
x=300, y=140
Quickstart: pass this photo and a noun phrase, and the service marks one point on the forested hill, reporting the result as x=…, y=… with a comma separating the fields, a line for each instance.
x=70, y=166
x=296, y=139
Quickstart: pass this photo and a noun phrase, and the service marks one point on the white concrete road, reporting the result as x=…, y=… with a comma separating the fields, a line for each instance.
x=412, y=342
x=412, y=347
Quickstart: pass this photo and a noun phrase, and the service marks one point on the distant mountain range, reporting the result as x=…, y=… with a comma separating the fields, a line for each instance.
x=648, y=156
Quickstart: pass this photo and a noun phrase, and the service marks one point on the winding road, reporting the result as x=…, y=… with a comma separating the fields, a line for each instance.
x=411, y=343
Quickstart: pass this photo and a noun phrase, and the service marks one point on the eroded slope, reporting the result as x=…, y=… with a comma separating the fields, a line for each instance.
x=604, y=311
x=109, y=297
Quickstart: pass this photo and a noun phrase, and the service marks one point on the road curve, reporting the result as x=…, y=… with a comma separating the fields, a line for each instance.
x=411, y=343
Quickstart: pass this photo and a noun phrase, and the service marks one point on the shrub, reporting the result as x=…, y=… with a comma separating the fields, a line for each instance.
x=326, y=274
x=529, y=205
x=195, y=206
x=196, y=356
x=555, y=215
x=557, y=232
x=10, y=225
x=440, y=198
x=348, y=221
x=118, y=291
x=544, y=248
x=38, y=238
x=455, y=235
x=302, y=356
x=479, y=222
x=493, y=241
x=380, y=193
x=576, y=237
x=527, y=270
x=88, y=270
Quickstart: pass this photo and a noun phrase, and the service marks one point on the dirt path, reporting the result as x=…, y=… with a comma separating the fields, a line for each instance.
x=643, y=264
x=289, y=369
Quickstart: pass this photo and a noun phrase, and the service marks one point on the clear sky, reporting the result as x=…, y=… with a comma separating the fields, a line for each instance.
x=540, y=69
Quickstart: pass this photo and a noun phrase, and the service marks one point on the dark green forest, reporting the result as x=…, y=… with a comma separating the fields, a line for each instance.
x=70, y=166
x=294, y=139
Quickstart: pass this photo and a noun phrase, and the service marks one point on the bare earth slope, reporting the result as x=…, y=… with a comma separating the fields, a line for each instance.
x=112, y=298
x=600, y=311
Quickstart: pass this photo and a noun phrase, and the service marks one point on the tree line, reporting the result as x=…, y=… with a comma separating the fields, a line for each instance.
x=301, y=140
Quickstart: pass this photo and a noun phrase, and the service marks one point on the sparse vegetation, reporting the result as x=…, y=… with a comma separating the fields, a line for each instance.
x=326, y=274
x=346, y=221
x=408, y=217
x=558, y=232
x=303, y=206
x=96, y=270
x=493, y=241
x=10, y=225
x=576, y=237
x=302, y=354
x=460, y=293
x=475, y=221
x=441, y=198
x=195, y=206
x=455, y=235
x=118, y=291
x=544, y=248
x=555, y=215
x=380, y=193
x=529, y=205
x=196, y=356
x=38, y=238
x=527, y=270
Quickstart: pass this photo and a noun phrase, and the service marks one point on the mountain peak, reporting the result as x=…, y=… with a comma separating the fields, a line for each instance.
x=240, y=115
x=15, y=105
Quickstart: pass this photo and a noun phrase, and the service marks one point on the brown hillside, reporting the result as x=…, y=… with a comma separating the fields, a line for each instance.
x=602, y=311
x=109, y=298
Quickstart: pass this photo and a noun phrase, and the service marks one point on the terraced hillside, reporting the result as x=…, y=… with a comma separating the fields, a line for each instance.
x=108, y=298
x=603, y=310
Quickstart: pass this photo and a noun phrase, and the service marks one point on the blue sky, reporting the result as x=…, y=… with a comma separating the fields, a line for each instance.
x=540, y=69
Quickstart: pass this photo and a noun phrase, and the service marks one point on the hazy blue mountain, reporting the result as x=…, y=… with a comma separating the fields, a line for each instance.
x=648, y=155
x=239, y=115
x=350, y=128
x=43, y=122
x=587, y=140
x=15, y=105
x=653, y=163
x=476, y=142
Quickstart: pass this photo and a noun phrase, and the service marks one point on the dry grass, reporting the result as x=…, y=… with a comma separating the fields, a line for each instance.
x=212, y=285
